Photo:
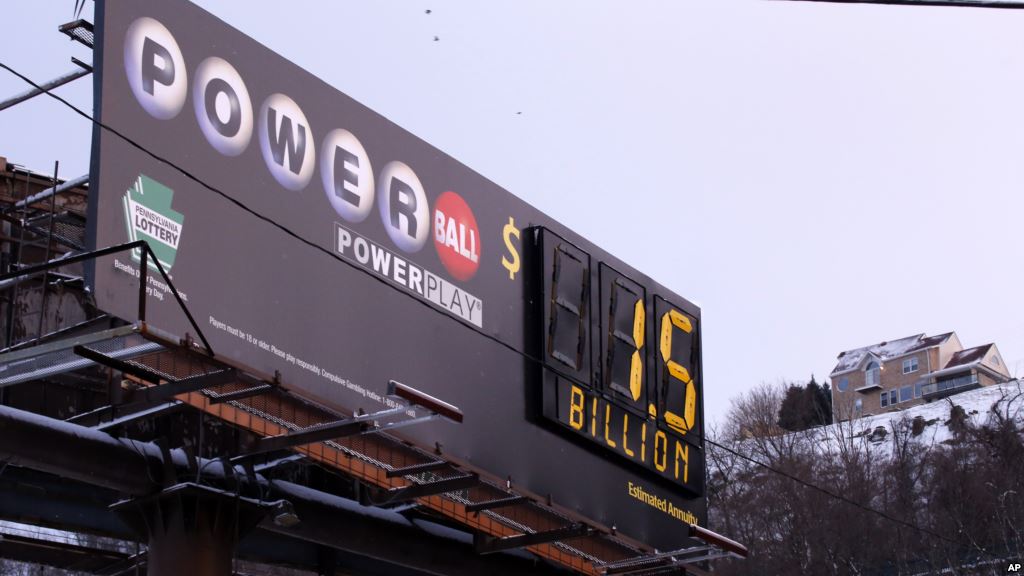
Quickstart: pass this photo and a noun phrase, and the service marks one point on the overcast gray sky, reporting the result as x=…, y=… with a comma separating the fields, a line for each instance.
x=816, y=177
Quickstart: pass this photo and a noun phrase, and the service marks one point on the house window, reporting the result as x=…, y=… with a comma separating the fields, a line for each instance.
x=871, y=374
x=892, y=397
x=843, y=383
x=995, y=360
x=906, y=393
x=858, y=406
x=917, y=389
x=910, y=365
x=885, y=399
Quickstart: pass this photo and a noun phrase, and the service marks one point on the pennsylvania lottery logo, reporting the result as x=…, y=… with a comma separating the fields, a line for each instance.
x=149, y=216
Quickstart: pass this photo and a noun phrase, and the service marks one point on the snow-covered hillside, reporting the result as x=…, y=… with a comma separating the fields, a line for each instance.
x=927, y=425
x=936, y=420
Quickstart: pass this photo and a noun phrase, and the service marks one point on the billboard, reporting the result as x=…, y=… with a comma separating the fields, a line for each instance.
x=313, y=237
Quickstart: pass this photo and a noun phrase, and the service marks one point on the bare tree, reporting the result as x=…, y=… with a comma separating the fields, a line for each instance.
x=852, y=499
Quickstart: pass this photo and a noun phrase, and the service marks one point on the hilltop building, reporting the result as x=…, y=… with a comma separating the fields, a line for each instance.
x=893, y=375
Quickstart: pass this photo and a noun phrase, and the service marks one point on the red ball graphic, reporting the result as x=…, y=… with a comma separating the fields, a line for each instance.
x=456, y=236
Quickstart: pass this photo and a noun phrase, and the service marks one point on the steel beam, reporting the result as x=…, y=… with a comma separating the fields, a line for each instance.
x=414, y=491
x=52, y=552
x=139, y=372
x=241, y=394
x=153, y=400
x=78, y=453
x=489, y=545
x=415, y=397
x=33, y=92
x=417, y=469
x=719, y=541
x=652, y=561
x=171, y=389
x=159, y=410
x=497, y=503
x=130, y=565
x=136, y=468
x=319, y=433
x=372, y=541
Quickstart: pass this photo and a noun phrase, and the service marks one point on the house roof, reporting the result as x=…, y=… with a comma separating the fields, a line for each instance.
x=929, y=341
x=851, y=359
x=968, y=356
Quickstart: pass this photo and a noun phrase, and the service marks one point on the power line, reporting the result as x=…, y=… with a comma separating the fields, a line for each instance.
x=285, y=229
x=1008, y=4
x=238, y=203
x=495, y=339
x=833, y=494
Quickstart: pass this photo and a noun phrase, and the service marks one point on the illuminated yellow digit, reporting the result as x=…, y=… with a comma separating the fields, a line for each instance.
x=636, y=368
x=670, y=321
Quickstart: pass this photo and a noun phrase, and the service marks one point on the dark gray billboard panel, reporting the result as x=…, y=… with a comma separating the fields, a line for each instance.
x=311, y=236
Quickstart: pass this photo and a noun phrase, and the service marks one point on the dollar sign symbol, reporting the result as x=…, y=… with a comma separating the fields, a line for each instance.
x=508, y=232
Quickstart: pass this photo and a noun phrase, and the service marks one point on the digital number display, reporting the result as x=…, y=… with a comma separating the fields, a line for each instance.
x=568, y=341
x=675, y=366
x=640, y=396
x=624, y=328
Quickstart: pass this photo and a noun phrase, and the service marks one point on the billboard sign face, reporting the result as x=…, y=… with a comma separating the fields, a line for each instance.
x=313, y=237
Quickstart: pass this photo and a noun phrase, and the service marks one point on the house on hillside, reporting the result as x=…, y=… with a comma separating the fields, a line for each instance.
x=893, y=375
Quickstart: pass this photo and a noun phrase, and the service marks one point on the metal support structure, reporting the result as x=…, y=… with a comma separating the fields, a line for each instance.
x=719, y=541
x=317, y=433
x=417, y=469
x=715, y=546
x=33, y=92
x=145, y=252
x=163, y=392
x=654, y=561
x=78, y=453
x=361, y=423
x=51, y=236
x=292, y=460
x=81, y=31
x=49, y=246
x=368, y=460
x=69, y=366
x=161, y=410
x=67, y=331
x=417, y=398
x=139, y=372
x=51, y=191
x=127, y=567
x=496, y=503
x=191, y=529
x=241, y=394
x=16, y=278
x=489, y=545
x=69, y=451
x=41, y=550
x=145, y=397
x=414, y=491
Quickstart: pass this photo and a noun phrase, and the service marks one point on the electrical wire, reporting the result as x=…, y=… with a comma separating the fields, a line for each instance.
x=831, y=494
x=495, y=339
x=285, y=229
x=1008, y=4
